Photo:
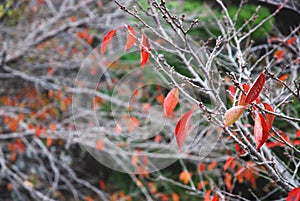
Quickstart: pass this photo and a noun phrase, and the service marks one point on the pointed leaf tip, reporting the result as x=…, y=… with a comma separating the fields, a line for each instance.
x=182, y=128
x=145, y=48
x=170, y=102
x=233, y=114
x=256, y=88
x=130, y=37
x=107, y=39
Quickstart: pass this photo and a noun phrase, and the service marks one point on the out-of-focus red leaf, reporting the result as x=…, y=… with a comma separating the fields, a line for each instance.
x=242, y=97
x=145, y=48
x=256, y=88
x=261, y=130
x=106, y=40
x=207, y=196
x=291, y=40
x=49, y=141
x=298, y=133
x=99, y=145
x=170, y=102
x=175, y=196
x=269, y=117
x=239, y=149
x=215, y=198
x=228, y=180
x=201, y=167
x=228, y=162
x=283, y=77
x=20, y=145
x=212, y=165
x=130, y=37
x=233, y=114
x=201, y=184
x=185, y=176
x=294, y=195
x=279, y=55
x=274, y=144
x=182, y=127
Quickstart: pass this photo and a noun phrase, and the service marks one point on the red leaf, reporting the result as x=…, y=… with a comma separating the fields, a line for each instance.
x=261, y=130
x=228, y=180
x=298, y=133
x=279, y=55
x=256, y=88
x=145, y=48
x=20, y=145
x=294, y=195
x=130, y=38
x=233, y=114
x=291, y=40
x=283, y=77
x=207, y=196
x=242, y=97
x=170, y=102
x=201, y=167
x=228, y=162
x=215, y=198
x=182, y=127
x=269, y=117
x=106, y=40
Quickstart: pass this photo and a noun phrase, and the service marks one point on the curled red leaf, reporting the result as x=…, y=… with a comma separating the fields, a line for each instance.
x=106, y=40
x=269, y=117
x=182, y=128
x=170, y=102
x=233, y=114
x=130, y=37
x=256, y=88
x=145, y=48
x=261, y=130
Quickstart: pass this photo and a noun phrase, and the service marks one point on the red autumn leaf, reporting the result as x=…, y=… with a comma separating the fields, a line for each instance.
x=182, y=127
x=201, y=184
x=227, y=181
x=49, y=141
x=256, y=88
x=201, y=167
x=291, y=40
x=130, y=38
x=279, y=55
x=233, y=114
x=211, y=166
x=20, y=145
x=298, y=133
x=215, y=198
x=261, y=130
x=106, y=40
x=283, y=77
x=175, y=196
x=99, y=145
x=185, y=176
x=170, y=102
x=269, y=117
x=294, y=195
x=145, y=48
x=228, y=162
x=242, y=97
x=207, y=196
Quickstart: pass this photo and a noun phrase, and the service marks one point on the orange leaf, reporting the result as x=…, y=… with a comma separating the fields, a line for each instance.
x=99, y=145
x=207, y=196
x=228, y=162
x=242, y=97
x=20, y=145
x=106, y=40
x=52, y=127
x=88, y=198
x=102, y=185
x=211, y=166
x=160, y=99
x=291, y=40
x=175, y=196
x=185, y=176
x=49, y=141
x=182, y=127
x=233, y=114
x=294, y=195
x=256, y=88
x=261, y=130
x=38, y=131
x=269, y=117
x=130, y=38
x=279, y=55
x=227, y=181
x=170, y=102
x=283, y=77
x=145, y=48
x=201, y=184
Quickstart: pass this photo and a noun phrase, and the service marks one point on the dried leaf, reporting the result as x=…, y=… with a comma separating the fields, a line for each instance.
x=233, y=114
x=294, y=195
x=145, y=48
x=261, y=130
x=130, y=38
x=269, y=117
x=182, y=127
x=256, y=88
x=170, y=102
x=106, y=40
